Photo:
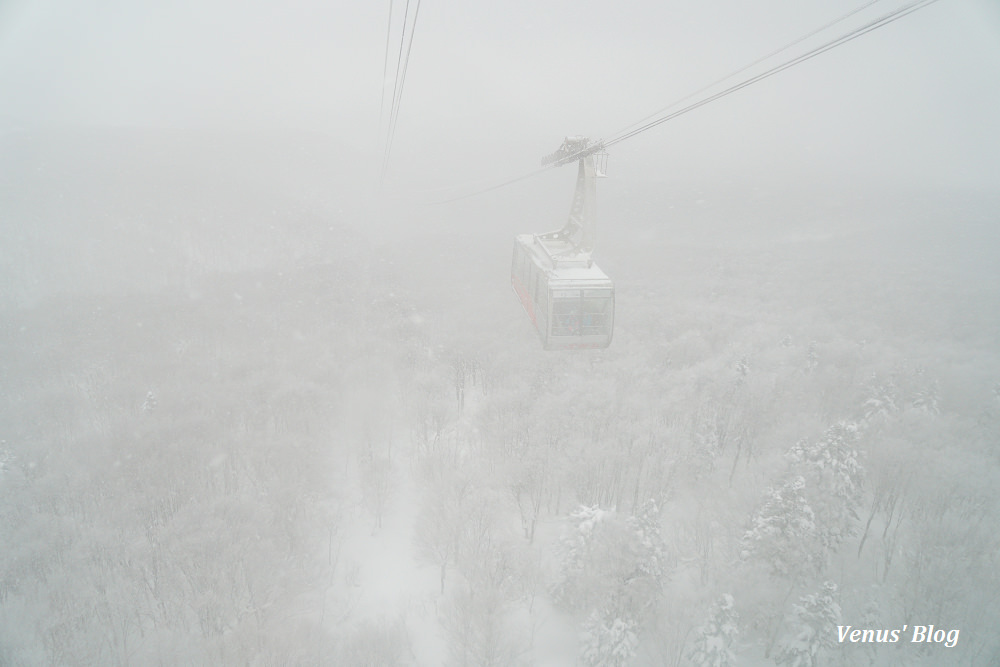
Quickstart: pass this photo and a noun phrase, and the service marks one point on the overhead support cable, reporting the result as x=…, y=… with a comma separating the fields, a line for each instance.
x=385, y=67
x=402, y=81
x=399, y=60
x=395, y=92
x=640, y=126
x=402, y=64
x=843, y=39
x=494, y=187
x=749, y=65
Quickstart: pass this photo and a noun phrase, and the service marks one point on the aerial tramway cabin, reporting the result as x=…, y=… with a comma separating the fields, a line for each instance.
x=568, y=299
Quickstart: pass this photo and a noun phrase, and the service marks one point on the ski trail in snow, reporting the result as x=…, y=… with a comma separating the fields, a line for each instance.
x=391, y=581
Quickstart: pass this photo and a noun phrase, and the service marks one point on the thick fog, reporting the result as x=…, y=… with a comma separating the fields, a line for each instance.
x=267, y=397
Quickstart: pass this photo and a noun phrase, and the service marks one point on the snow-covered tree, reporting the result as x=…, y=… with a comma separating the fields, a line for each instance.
x=609, y=557
x=439, y=527
x=835, y=480
x=742, y=368
x=713, y=640
x=882, y=398
x=926, y=392
x=614, y=566
x=782, y=534
x=5, y=459
x=608, y=643
x=813, y=629
x=480, y=628
x=812, y=357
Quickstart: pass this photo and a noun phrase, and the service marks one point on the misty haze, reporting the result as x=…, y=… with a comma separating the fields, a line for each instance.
x=267, y=396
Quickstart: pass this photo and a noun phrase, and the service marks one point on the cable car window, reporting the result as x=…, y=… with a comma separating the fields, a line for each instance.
x=596, y=314
x=565, y=293
x=566, y=317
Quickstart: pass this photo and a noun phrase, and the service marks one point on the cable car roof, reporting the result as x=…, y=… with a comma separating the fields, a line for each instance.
x=545, y=254
x=592, y=276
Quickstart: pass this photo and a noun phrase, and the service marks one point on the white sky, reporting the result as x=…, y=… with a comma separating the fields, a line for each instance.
x=492, y=87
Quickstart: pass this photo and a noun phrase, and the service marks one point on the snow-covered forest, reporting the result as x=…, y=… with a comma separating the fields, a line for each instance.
x=267, y=396
x=275, y=429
